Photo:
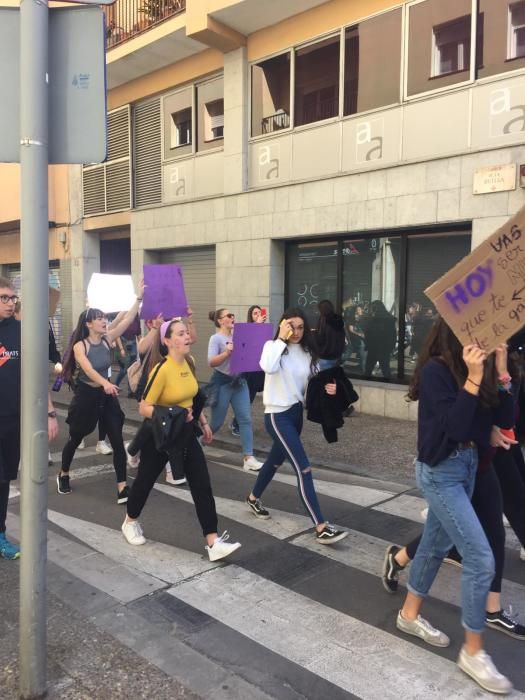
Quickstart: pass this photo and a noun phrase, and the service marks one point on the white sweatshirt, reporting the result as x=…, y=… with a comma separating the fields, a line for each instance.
x=286, y=375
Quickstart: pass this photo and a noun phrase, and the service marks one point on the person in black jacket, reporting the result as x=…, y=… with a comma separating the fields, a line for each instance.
x=380, y=339
x=329, y=409
x=330, y=335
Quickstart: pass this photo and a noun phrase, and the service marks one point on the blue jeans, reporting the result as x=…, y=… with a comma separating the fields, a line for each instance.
x=237, y=394
x=285, y=430
x=451, y=519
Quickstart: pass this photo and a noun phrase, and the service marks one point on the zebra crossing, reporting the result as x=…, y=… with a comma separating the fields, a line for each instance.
x=283, y=618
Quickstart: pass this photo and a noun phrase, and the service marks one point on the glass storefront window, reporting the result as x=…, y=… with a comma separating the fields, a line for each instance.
x=429, y=258
x=271, y=95
x=372, y=70
x=371, y=284
x=311, y=276
x=317, y=81
x=438, y=44
x=501, y=37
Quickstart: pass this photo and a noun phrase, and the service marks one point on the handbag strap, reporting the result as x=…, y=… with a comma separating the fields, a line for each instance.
x=150, y=382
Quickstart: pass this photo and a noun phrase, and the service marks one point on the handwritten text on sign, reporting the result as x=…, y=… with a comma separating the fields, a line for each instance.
x=483, y=297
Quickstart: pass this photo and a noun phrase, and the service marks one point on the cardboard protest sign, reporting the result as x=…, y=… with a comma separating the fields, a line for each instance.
x=482, y=298
x=248, y=342
x=54, y=296
x=110, y=293
x=164, y=292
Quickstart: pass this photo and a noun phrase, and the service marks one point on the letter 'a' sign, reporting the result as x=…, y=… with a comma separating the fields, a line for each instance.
x=482, y=298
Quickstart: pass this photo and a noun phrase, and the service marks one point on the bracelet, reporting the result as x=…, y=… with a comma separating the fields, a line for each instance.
x=470, y=380
x=139, y=298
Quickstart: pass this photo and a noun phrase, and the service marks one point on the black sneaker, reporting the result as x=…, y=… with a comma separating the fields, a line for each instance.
x=63, y=483
x=453, y=558
x=391, y=569
x=258, y=509
x=504, y=622
x=330, y=535
x=122, y=496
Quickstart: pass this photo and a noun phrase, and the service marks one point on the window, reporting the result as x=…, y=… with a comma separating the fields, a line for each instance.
x=451, y=47
x=214, y=120
x=317, y=81
x=439, y=39
x=372, y=63
x=178, y=123
x=501, y=37
x=271, y=95
x=210, y=114
x=516, y=32
x=181, y=128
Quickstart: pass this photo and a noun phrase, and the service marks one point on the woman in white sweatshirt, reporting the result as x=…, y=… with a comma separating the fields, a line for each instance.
x=289, y=361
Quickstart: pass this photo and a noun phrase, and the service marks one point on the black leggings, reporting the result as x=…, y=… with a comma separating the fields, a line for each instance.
x=4, y=500
x=510, y=470
x=488, y=504
x=112, y=422
x=151, y=464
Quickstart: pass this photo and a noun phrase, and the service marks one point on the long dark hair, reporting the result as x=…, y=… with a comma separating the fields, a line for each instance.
x=441, y=344
x=326, y=308
x=80, y=333
x=307, y=341
x=249, y=318
x=158, y=349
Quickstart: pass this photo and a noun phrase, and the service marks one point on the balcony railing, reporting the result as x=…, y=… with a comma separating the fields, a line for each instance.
x=127, y=18
x=275, y=122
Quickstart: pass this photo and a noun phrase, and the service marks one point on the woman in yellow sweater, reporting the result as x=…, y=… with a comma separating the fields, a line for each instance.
x=173, y=383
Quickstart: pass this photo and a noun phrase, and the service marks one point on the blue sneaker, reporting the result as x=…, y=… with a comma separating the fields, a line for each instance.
x=8, y=550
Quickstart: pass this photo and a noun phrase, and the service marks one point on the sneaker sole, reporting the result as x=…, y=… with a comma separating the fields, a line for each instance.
x=258, y=515
x=384, y=572
x=121, y=501
x=509, y=633
x=418, y=636
x=133, y=544
x=251, y=469
x=452, y=562
x=176, y=482
x=338, y=538
x=234, y=548
x=467, y=672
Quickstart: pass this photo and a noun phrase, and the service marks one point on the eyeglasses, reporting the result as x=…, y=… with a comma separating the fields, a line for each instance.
x=5, y=298
x=227, y=316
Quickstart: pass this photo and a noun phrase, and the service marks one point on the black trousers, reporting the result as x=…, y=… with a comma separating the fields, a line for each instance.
x=510, y=470
x=151, y=464
x=89, y=406
x=488, y=504
x=4, y=501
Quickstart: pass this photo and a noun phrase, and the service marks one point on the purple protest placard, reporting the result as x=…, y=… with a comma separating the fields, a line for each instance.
x=164, y=292
x=248, y=342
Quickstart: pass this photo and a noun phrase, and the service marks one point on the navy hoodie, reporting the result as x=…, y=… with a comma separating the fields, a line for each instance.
x=10, y=341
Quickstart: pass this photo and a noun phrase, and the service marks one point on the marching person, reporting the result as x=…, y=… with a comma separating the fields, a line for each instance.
x=10, y=377
x=458, y=405
x=172, y=383
x=229, y=388
x=289, y=361
x=95, y=396
x=330, y=335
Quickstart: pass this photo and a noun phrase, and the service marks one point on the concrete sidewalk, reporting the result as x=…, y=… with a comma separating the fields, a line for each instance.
x=372, y=446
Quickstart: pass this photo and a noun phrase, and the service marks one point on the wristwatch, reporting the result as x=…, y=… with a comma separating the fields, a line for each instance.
x=52, y=414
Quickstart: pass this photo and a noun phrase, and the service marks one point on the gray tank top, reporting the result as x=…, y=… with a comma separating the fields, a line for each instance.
x=100, y=358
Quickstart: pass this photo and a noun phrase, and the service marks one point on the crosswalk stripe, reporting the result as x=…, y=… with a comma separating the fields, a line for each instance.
x=164, y=562
x=349, y=653
x=112, y=575
x=281, y=525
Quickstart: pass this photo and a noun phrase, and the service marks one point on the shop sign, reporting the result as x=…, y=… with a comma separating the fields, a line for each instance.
x=499, y=178
x=482, y=298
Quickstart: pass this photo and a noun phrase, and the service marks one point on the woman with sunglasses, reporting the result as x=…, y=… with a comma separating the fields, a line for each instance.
x=86, y=366
x=227, y=388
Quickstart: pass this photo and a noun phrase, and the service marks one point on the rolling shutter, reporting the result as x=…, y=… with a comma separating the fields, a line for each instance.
x=147, y=151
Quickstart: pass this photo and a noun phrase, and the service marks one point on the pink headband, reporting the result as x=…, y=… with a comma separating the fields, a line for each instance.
x=165, y=326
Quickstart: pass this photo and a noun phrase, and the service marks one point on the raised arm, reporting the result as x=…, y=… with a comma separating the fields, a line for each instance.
x=119, y=328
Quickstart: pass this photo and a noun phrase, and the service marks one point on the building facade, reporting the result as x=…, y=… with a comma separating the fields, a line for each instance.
x=287, y=152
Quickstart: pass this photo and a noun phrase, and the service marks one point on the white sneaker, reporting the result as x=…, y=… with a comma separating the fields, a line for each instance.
x=423, y=629
x=505, y=521
x=133, y=461
x=424, y=514
x=132, y=531
x=522, y=554
x=251, y=464
x=221, y=548
x=174, y=482
x=481, y=669
x=82, y=445
x=103, y=448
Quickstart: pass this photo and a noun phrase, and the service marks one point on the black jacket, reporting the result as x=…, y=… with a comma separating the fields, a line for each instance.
x=330, y=337
x=325, y=409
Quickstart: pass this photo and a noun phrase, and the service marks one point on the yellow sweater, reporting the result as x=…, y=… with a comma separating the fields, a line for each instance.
x=174, y=385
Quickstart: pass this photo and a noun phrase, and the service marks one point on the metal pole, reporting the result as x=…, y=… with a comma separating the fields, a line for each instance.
x=34, y=249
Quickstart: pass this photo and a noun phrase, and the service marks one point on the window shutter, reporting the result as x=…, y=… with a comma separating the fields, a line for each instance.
x=147, y=153
x=94, y=188
x=217, y=121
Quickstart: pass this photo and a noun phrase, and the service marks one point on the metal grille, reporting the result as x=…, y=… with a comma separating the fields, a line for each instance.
x=127, y=18
x=147, y=153
x=107, y=187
